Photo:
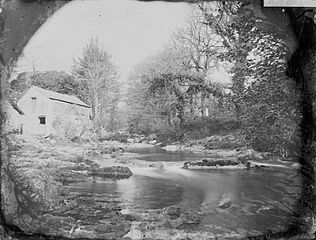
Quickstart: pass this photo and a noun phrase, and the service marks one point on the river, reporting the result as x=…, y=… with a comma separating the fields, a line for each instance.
x=260, y=199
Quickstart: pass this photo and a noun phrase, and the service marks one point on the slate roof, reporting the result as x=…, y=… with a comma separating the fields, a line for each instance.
x=61, y=97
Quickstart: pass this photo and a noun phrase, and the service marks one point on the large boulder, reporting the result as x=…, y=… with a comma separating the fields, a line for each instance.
x=27, y=194
x=211, y=163
x=117, y=172
x=245, y=155
x=36, y=188
x=173, y=211
x=110, y=150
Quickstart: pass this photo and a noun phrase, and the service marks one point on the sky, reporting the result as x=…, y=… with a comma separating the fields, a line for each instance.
x=129, y=30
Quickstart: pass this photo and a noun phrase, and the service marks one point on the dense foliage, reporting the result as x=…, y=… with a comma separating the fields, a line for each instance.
x=177, y=87
x=264, y=97
x=57, y=81
x=166, y=95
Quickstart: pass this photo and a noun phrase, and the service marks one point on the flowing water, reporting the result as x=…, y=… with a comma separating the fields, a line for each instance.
x=155, y=154
x=260, y=199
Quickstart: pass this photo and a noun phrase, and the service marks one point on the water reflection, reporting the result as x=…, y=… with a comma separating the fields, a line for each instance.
x=154, y=154
x=260, y=200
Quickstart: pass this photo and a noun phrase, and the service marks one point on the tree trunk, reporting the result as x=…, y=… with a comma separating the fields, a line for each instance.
x=191, y=105
x=202, y=106
x=181, y=115
x=170, y=120
x=95, y=112
x=237, y=112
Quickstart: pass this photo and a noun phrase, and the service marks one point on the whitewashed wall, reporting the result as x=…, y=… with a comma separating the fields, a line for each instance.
x=43, y=108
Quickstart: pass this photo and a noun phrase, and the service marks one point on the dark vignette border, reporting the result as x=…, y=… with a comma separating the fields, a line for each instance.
x=304, y=29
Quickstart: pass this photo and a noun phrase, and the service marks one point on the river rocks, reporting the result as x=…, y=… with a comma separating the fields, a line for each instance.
x=85, y=206
x=161, y=144
x=296, y=165
x=129, y=217
x=76, y=172
x=97, y=216
x=152, y=142
x=152, y=136
x=212, y=163
x=117, y=137
x=139, y=138
x=66, y=174
x=216, y=142
x=161, y=224
x=172, y=147
x=225, y=202
x=173, y=211
x=268, y=165
x=81, y=163
x=181, y=215
x=54, y=225
x=76, y=139
x=130, y=140
x=36, y=201
x=190, y=216
x=117, y=172
x=105, y=147
x=82, y=233
x=157, y=165
x=110, y=150
x=136, y=139
x=113, y=229
x=245, y=155
x=92, y=153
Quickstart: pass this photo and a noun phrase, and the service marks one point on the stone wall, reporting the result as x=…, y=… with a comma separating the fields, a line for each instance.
x=69, y=119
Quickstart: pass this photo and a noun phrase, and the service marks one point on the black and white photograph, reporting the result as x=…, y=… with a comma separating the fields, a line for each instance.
x=162, y=120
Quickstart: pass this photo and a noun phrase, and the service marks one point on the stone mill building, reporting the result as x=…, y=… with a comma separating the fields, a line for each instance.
x=48, y=112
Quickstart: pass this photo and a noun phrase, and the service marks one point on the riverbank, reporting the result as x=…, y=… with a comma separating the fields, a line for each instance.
x=37, y=199
x=228, y=152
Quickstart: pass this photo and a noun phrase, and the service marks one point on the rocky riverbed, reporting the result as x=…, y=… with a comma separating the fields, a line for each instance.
x=37, y=200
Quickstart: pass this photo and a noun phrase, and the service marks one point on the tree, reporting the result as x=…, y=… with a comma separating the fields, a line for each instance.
x=149, y=95
x=199, y=46
x=58, y=81
x=98, y=77
x=158, y=90
x=163, y=88
x=263, y=95
x=19, y=85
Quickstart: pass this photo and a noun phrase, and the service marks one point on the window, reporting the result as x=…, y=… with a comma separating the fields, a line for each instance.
x=42, y=120
x=33, y=104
